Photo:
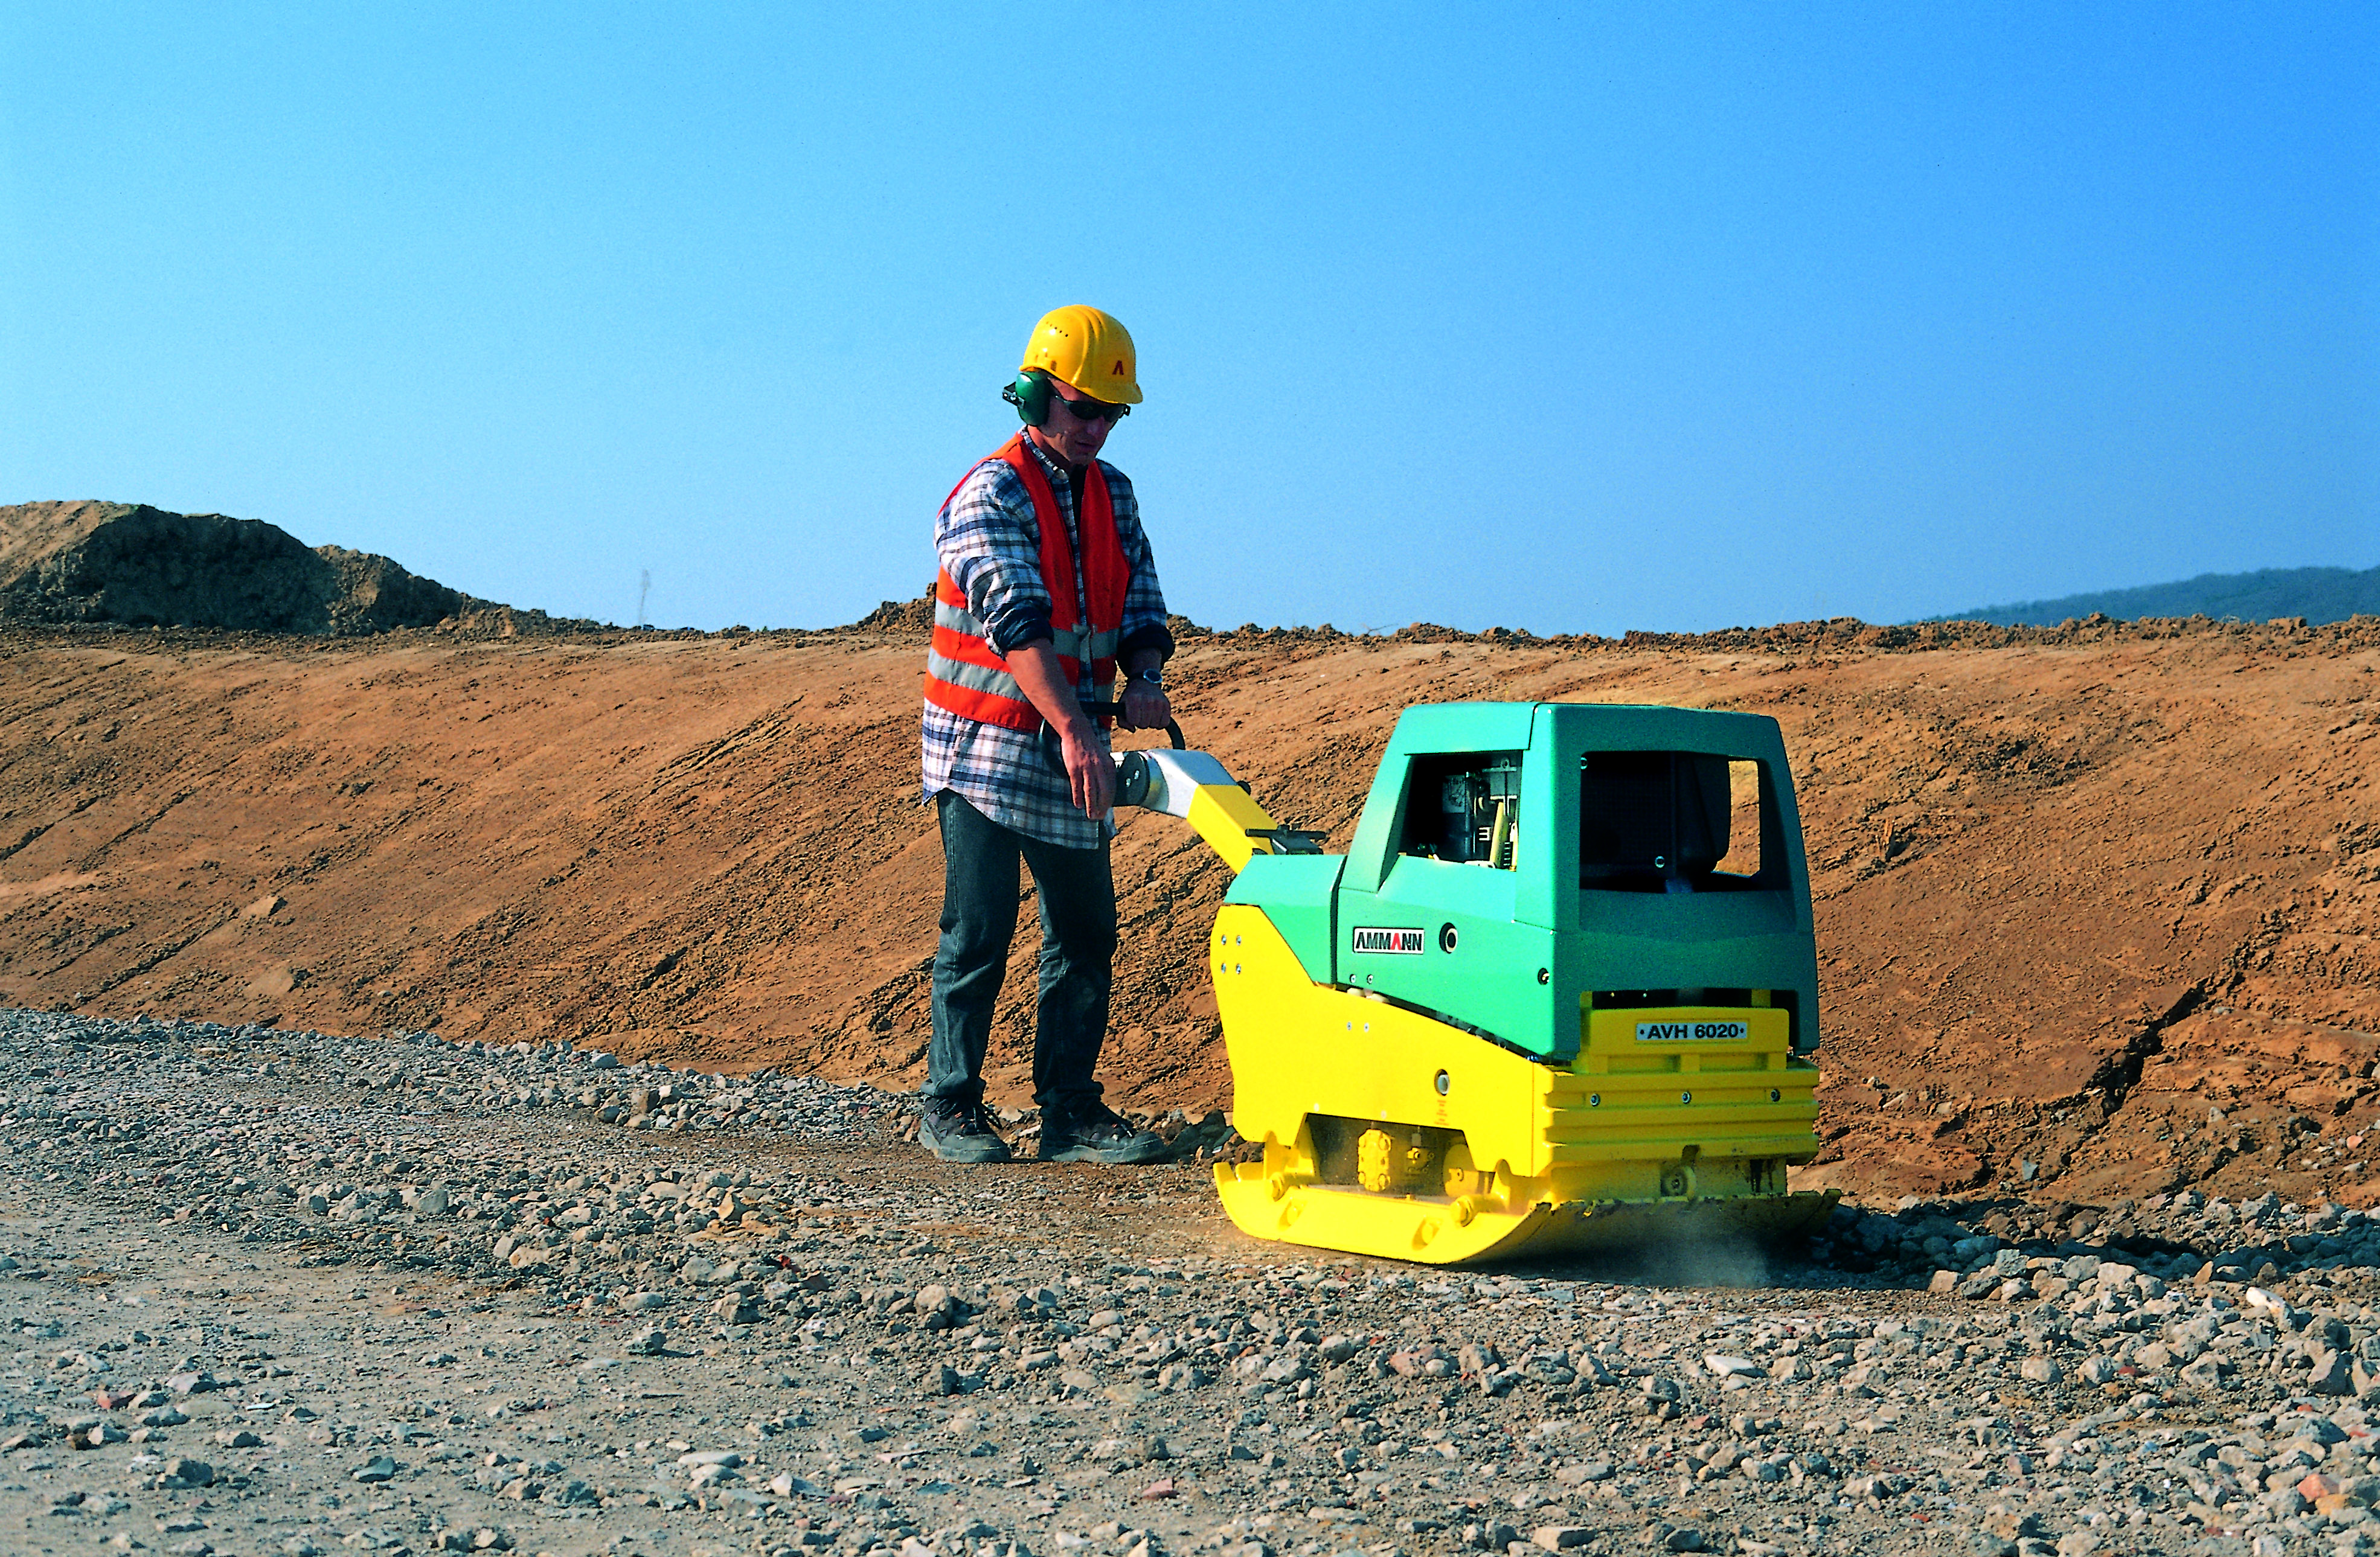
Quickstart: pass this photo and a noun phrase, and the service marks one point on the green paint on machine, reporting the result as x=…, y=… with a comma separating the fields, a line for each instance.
x=1517, y=864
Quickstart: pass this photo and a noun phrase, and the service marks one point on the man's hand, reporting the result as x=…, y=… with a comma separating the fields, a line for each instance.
x=1090, y=773
x=1145, y=705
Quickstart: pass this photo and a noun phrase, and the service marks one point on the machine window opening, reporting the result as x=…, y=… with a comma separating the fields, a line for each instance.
x=1742, y=856
x=1464, y=808
x=1674, y=822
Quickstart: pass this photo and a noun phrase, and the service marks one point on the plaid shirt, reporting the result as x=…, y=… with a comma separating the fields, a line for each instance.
x=989, y=543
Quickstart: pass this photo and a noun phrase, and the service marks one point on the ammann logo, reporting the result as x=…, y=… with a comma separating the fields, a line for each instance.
x=1395, y=939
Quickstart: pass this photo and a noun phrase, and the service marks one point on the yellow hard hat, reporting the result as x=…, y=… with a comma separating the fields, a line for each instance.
x=1086, y=350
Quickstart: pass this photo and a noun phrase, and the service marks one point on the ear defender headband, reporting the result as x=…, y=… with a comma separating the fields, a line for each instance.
x=1030, y=395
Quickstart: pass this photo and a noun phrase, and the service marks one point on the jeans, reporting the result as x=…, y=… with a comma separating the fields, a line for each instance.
x=1078, y=936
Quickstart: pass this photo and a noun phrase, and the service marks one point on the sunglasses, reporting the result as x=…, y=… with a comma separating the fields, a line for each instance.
x=1089, y=410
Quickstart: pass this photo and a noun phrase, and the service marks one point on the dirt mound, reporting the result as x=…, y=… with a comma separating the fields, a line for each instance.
x=139, y=565
x=2094, y=906
x=913, y=617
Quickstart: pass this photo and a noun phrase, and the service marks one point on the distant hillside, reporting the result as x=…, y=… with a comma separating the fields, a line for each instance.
x=2317, y=594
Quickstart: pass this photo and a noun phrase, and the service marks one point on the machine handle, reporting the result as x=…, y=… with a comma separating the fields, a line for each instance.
x=1054, y=751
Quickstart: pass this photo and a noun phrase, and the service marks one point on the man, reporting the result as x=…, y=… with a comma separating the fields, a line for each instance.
x=1045, y=586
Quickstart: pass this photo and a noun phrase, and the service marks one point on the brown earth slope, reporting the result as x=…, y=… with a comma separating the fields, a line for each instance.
x=2095, y=909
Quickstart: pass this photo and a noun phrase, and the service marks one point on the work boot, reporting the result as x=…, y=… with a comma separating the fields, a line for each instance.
x=1097, y=1134
x=960, y=1132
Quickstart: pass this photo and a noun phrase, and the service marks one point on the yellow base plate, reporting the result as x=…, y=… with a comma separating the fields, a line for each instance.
x=1642, y=1141
x=1434, y=1230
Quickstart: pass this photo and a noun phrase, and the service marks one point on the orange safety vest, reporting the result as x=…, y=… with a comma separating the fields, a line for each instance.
x=965, y=674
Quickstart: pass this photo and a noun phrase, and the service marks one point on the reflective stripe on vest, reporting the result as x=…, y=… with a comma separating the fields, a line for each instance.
x=965, y=674
x=1069, y=642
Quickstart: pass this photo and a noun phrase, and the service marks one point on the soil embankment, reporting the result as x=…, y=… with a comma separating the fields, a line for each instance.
x=91, y=562
x=2094, y=906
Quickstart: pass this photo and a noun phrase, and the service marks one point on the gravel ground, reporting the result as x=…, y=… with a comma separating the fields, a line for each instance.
x=275, y=1292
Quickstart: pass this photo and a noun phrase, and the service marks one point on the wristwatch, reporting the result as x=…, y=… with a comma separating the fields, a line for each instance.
x=1154, y=677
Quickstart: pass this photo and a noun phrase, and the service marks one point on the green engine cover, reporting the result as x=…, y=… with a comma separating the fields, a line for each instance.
x=1516, y=862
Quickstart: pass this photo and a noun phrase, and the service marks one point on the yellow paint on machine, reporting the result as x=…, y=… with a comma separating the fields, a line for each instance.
x=1638, y=1139
x=1224, y=815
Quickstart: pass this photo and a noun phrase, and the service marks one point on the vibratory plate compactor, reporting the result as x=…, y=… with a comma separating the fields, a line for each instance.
x=1560, y=993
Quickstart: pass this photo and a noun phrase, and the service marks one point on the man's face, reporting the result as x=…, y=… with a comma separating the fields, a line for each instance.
x=1073, y=438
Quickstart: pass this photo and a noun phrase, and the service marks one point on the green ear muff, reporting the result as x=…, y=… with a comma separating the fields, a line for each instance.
x=1030, y=395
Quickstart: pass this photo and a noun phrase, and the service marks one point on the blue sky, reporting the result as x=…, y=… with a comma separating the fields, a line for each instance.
x=1572, y=318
